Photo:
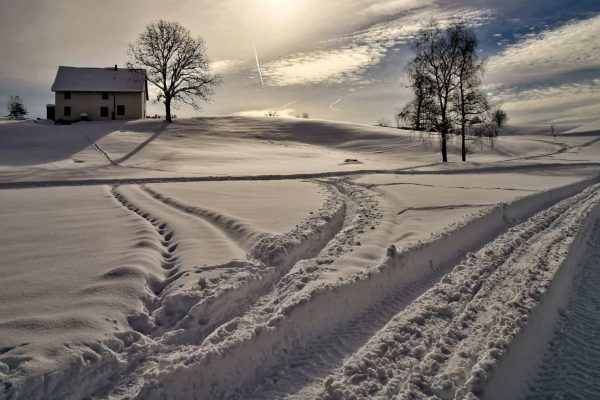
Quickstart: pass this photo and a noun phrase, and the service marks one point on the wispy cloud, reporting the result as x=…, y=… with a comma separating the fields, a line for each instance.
x=328, y=66
x=224, y=66
x=387, y=7
x=348, y=57
x=571, y=47
x=554, y=104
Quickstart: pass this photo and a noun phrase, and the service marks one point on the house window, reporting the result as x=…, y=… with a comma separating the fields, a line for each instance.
x=67, y=95
x=67, y=111
x=104, y=95
x=103, y=111
x=121, y=110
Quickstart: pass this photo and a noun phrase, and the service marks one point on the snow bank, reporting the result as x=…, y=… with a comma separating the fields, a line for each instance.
x=230, y=356
x=449, y=341
x=589, y=127
x=69, y=280
x=572, y=355
x=523, y=357
x=176, y=272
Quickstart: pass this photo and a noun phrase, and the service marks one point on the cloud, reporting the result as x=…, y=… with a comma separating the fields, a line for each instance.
x=224, y=66
x=350, y=56
x=379, y=7
x=571, y=47
x=331, y=66
x=553, y=104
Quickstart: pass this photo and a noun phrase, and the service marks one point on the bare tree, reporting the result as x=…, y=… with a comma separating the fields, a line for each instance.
x=499, y=118
x=415, y=110
x=406, y=116
x=469, y=100
x=175, y=62
x=492, y=119
x=437, y=57
x=16, y=108
x=383, y=122
x=446, y=76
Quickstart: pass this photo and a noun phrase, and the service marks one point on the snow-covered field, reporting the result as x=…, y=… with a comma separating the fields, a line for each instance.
x=243, y=258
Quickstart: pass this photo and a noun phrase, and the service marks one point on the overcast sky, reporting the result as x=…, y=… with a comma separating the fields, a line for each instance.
x=335, y=59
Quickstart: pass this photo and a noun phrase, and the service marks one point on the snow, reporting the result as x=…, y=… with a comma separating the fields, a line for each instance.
x=69, y=278
x=536, y=130
x=589, y=127
x=448, y=342
x=574, y=342
x=289, y=201
x=232, y=257
x=230, y=146
x=80, y=79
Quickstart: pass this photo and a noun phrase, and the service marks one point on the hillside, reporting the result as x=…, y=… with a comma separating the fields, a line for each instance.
x=243, y=258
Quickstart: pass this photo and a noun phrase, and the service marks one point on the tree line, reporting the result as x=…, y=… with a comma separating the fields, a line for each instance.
x=446, y=79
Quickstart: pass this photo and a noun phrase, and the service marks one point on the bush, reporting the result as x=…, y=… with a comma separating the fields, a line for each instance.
x=16, y=108
x=384, y=123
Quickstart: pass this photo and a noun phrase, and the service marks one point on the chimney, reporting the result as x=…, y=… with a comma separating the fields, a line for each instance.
x=115, y=67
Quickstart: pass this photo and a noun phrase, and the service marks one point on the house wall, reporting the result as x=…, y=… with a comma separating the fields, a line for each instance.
x=90, y=103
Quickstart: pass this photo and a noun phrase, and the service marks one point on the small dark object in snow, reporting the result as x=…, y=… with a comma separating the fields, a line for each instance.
x=350, y=160
x=391, y=251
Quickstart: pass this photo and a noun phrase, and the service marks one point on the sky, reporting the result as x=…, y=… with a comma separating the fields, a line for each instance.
x=334, y=59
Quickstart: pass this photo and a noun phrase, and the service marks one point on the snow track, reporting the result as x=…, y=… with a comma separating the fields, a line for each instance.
x=170, y=262
x=556, y=354
x=449, y=341
x=511, y=167
x=181, y=317
x=273, y=350
x=239, y=232
x=263, y=318
x=571, y=363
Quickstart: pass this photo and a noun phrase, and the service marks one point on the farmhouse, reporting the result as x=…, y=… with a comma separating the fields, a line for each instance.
x=98, y=94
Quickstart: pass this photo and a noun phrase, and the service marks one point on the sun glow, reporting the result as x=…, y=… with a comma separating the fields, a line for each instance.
x=281, y=10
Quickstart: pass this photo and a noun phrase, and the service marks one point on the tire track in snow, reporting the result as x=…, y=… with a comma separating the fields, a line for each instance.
x=570, y=365
x=308, y=238
x=450, y=187
x=447, y=342
x=300, y=376
x=563, y=148
x=110, y=359
x=360, y=214
x=129, y=374
x=238, y=231
x=271, y=255
x=170, y=260
x=211, y=369
x=272, y=177
x=445, y=207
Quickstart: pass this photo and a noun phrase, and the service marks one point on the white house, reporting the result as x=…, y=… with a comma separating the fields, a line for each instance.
x=99, y=94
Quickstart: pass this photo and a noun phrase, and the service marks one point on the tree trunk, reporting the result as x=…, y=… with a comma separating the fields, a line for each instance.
x=464, y=147
x=419, y=106
x=444, y=152
x=445, y=128
x=168, y=110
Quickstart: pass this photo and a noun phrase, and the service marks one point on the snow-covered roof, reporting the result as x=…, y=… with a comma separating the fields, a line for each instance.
x=78, y=79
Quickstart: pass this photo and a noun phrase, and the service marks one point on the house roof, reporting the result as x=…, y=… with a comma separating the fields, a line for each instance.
x=77, y=79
